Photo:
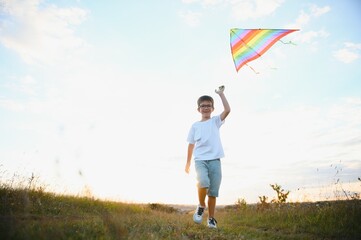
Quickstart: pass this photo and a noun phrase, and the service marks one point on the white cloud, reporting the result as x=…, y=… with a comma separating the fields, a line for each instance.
x=28, y=85
x=40, y=33
x=203, y=2
x=318, y=11
x=189, y=1
x=310, y=36
x=356, y=46
x=11, y=105
x=240, y=9
x=349, y=110
x=25, y=85
x=304, y=19
x=346, y=56
x=31, y=106
x=253, y=9
x=191, y=18
x=349, y=53
x=211, y=2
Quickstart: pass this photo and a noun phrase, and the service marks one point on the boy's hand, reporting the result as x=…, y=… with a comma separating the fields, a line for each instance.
x=187, y=167
x=220, y=89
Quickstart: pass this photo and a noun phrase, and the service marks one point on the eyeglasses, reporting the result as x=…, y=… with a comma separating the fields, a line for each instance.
x=205, y=106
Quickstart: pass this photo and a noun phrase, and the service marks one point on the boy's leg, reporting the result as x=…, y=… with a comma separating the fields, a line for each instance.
x=215, y=182
x=203, y=181
x=198, y=214
x=211, y=206
x=202, y=193
x=203, y=184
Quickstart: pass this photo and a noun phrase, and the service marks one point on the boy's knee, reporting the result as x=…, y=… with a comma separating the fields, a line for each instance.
x=203, y=184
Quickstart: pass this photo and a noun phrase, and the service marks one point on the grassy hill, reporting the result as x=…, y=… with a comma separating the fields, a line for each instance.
x=35, y=214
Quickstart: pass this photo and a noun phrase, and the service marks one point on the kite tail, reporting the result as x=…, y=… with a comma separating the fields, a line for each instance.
x=252, y=69
x=289, y=42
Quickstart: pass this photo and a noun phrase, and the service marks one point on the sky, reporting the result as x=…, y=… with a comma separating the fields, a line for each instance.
x=97, y=97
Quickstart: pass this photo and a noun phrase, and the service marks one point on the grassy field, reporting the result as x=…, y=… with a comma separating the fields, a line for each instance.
x=36, y=214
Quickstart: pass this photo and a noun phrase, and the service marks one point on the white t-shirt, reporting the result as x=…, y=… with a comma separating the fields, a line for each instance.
x=205, y=135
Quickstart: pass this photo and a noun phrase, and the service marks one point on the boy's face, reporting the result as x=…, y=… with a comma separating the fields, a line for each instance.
x=206, y=108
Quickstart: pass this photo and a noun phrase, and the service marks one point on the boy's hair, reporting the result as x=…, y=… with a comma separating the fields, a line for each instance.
x=205, y=98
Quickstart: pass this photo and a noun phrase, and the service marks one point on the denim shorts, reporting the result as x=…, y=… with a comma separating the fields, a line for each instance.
x=209, y=175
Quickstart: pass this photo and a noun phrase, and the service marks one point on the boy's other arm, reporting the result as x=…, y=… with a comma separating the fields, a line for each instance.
x=189, y=157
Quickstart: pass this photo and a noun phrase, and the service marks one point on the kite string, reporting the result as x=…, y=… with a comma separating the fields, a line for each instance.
x=252, y=69
x=289, y=42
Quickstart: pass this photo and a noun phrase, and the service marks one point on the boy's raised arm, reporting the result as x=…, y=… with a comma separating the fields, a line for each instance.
x=226, y=107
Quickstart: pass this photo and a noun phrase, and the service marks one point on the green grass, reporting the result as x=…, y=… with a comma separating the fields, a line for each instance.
x=35, y=214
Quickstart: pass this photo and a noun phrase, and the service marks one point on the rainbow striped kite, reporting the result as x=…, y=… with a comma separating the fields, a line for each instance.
x=250, y=44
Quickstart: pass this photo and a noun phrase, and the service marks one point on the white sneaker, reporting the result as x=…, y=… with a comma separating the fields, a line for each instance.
x=212, y=223
x=198, y=215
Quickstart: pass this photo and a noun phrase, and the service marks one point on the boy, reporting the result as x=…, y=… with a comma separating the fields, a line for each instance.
x=205, y=144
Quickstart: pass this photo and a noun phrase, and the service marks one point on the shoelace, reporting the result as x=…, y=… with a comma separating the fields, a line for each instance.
x=200, y=211
x=212, y=221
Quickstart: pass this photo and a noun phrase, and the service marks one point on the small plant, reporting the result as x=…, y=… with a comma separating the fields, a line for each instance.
x=340, y=192
x=281, y=193
x=241, y=204
x=281, y=197
x=263, y=204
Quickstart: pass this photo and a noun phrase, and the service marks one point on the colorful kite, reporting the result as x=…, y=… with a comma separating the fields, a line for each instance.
x=250, y=44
